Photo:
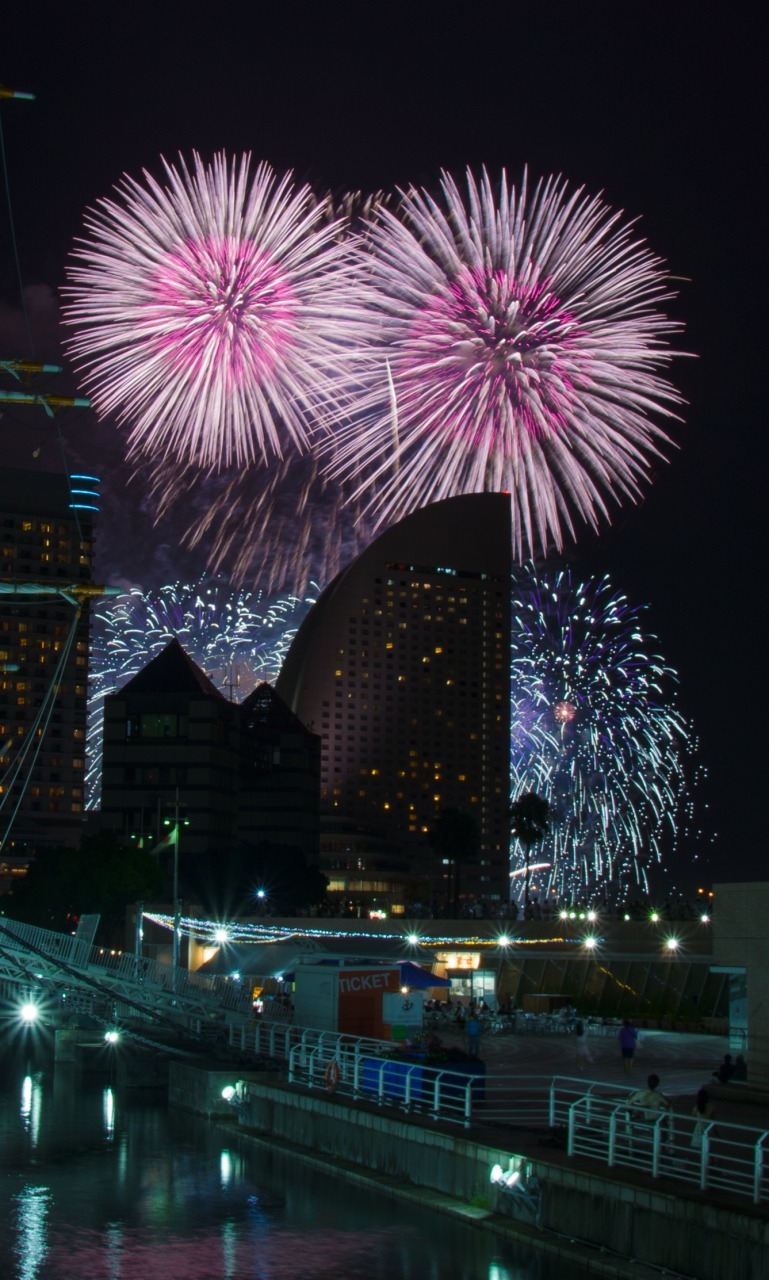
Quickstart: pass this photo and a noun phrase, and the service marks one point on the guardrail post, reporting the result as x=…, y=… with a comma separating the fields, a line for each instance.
x=705, y=1159
x=572, y=1128
x=436, y=1111
x=758, y=1168
x=551, y=1105
x=407, y=1089
x=612, y=1136
x=356, y=1066
x=291, y=1071
x=469, y=1100
x=657, y=1144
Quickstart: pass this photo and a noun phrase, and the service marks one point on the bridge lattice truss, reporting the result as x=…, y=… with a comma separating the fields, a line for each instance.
x=58, y=964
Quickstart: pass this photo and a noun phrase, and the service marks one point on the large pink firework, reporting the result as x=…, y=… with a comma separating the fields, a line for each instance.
x=212, y=312
x=515, y=342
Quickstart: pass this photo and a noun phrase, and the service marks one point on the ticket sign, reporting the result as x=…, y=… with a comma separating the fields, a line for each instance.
x=361, y=995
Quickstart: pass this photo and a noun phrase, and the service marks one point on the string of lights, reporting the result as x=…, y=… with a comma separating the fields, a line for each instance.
x=220, y=933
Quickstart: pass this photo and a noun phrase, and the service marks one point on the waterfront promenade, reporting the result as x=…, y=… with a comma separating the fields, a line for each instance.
x=684, y=1062
x=613, y=1221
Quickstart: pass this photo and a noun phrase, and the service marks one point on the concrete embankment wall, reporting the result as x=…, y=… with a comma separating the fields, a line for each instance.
x=683, y=1233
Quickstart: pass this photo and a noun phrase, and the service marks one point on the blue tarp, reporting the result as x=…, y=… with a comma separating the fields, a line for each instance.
x=414, y=976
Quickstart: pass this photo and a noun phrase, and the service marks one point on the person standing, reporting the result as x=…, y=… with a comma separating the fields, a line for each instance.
x=583, y=1048
x=628, y=1039
x=473, y=1032
x=704, y=1114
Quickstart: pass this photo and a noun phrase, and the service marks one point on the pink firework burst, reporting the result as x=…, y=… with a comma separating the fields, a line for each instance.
x=514, y=342
x=211, y=313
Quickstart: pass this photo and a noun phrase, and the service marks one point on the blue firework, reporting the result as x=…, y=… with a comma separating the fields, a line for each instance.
x=597, y=731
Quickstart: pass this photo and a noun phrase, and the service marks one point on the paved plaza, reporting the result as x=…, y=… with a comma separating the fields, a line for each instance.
x=684, y=1063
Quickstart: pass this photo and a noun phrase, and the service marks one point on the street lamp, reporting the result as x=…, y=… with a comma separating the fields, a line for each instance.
x=174, y=839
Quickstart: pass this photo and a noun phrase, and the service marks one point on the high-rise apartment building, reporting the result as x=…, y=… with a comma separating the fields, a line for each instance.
x=403, y=667
x=46, y=546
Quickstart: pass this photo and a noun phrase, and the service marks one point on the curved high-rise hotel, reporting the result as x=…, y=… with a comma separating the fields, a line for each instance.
x=403, y=668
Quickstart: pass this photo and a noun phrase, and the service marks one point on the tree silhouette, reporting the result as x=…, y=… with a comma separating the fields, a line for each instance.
x=103, y=876
x=529, y=819
x=456, y=838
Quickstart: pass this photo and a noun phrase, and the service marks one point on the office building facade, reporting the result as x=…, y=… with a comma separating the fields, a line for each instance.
x=46, y=547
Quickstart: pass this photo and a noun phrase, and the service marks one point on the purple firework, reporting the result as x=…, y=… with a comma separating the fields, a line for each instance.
x=515, y=343
x=277, y=528
x=211, y=312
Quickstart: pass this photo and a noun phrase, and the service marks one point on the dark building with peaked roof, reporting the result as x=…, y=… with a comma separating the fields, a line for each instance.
x=46, y=547
x=403, y=667
x=171, y=740
x=279, y=775
x=232, y=773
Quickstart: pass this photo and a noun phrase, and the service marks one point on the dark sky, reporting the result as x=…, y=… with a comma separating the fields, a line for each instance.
x=658, y=105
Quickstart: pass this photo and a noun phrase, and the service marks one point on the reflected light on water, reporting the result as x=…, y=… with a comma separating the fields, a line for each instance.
x=225, y=1169
x=32, y=1205
x=109, y=1113
x=229, y=1249
x=31, y=1106
x=113, y=1247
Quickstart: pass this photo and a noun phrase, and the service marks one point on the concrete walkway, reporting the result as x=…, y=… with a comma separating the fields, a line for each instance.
x=684, y=1063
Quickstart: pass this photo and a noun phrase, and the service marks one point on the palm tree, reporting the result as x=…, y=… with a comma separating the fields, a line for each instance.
x=529, y=819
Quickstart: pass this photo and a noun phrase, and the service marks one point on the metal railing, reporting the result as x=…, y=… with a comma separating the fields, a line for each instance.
x=713, y=1156
x=365, y=1069
x=588, y=1117
x=61, y=958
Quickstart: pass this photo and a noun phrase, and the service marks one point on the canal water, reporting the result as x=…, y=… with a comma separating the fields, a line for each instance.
x=95, y=1185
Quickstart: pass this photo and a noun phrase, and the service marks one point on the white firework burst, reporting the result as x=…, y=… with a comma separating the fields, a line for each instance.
x=212, y=313
x=514, y=343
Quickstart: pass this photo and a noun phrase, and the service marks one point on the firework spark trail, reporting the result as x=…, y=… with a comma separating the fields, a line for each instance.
x=214, y=313
x=284, y=527
x=596, y=730
x=238, y=638
x=522, y=341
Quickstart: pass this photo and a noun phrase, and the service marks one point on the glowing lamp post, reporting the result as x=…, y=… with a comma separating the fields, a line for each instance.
x=174, y=839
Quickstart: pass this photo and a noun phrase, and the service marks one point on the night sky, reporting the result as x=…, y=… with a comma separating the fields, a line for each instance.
x=658, y=106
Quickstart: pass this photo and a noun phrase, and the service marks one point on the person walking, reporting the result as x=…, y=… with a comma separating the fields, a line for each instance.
x=628, y=1039
x=473, y=1033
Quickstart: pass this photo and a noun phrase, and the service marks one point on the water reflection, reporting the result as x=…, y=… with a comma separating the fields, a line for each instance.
x=96, y=1186
x=32, y=1205
x=30, y=1106
x=109, y=1113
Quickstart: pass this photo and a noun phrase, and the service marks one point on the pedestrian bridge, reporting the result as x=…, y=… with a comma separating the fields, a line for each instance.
x=65, y=973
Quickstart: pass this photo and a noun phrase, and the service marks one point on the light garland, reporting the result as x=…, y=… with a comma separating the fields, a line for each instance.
x=217, y=933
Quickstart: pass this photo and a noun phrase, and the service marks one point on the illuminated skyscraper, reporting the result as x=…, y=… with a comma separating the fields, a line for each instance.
x=403, y=667
x=46, y=547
